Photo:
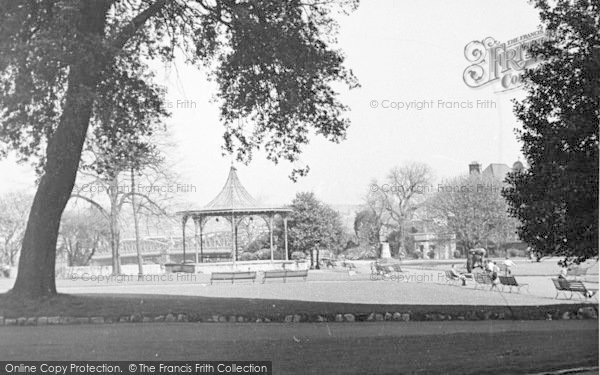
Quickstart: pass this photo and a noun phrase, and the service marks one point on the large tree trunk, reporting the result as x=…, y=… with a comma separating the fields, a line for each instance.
x=36, y=275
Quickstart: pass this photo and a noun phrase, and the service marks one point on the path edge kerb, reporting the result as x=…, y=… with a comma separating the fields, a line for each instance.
x=436, y=313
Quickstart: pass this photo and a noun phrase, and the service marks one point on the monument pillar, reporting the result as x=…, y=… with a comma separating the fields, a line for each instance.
x=385, y=245
x=385, y=250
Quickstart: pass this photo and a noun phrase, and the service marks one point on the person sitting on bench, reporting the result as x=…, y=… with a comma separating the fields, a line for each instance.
x=458, y=275
x=563, y=273
x=493, y=270
x=508, y=264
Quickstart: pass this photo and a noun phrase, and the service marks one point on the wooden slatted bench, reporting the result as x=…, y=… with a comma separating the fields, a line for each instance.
x=450, y=277
x=396, y=267
x=284, y=274
x=233, y=276
x=483, y=279
x=572, y=286
x=386, y=269
x=511, y=282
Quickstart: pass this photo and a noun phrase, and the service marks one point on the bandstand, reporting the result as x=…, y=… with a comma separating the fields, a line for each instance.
x=233, y=204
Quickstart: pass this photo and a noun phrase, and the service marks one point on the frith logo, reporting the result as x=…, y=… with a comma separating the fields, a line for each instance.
x=493, y=62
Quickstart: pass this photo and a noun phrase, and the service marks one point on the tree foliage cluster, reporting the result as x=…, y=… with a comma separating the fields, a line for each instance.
x=14, y=209
x=69, y=65
x=390, y=206
x=473, y=208
x=313, y=226
x=556, y=197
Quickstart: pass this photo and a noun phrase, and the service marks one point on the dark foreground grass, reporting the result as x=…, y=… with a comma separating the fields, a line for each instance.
x=365, y=348
x=201, y=308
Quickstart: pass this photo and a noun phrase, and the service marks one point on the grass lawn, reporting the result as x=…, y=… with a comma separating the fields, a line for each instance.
x=366, y=348
x=200, y=308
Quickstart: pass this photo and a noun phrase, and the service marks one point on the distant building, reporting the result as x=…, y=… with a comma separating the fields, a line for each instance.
x=496, y=170
x=474, y=168
x=435, y=245
x=499, y=171
x=429, y=242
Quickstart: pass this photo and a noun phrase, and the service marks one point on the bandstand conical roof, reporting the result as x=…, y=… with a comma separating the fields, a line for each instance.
x=233, y=197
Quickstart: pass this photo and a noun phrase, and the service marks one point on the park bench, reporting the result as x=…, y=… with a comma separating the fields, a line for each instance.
x=376, y=268
x=504, y=270
x=284, y=274
x=393, y=268
x=385, y=268
x=232, y=276
x=388, y=269
x=452, y=278
x=328, y=263
x=180, y=267
x=511, y=282
x=483, y=279
x=564, y=286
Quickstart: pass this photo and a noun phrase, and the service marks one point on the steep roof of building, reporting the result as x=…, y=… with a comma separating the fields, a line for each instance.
x=497, y=170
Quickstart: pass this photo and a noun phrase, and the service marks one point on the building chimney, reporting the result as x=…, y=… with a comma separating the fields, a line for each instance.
x=518, y=166
x=474, y=168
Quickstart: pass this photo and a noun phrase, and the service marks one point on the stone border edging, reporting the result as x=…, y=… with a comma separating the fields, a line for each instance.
x=586, y=312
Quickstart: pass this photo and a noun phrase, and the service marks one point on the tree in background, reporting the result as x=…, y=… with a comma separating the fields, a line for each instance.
x=110, y=193
x=556, y=198
x=314, y=226
x=14, y=208
x=395, y=201
x=367, y=226
x=274, y=63
x=127, y=122
x=473, y=208
x=254, y=231
x=82, y=232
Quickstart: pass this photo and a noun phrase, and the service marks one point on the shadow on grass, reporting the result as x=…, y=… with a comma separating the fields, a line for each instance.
x=201, y=308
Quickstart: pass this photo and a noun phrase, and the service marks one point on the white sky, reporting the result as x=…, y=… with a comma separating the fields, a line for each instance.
x=400, y=51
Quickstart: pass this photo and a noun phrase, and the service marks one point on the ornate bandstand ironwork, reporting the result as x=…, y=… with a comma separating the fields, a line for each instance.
x=233, y=203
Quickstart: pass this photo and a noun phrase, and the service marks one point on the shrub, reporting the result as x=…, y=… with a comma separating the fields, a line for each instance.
x=456, y=254
x=248, y=256
x=513, y=253
x=298, y=255
x=431, y=254
x=264, y=254
x=415, y=255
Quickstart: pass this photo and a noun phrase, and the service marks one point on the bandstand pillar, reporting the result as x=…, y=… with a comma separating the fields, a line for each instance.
x=196, y=245
x=285, y=237
x=271, y=233
x=183, y=222
x=200, y=227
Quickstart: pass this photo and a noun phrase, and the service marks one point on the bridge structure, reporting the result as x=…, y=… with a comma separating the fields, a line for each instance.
x=216, y=247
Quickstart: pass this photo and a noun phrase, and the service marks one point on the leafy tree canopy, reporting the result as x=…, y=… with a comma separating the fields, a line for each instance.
x=556, y=198
x=274, y=62
x=473, y=208
x=313, y=225
x=66, y=65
